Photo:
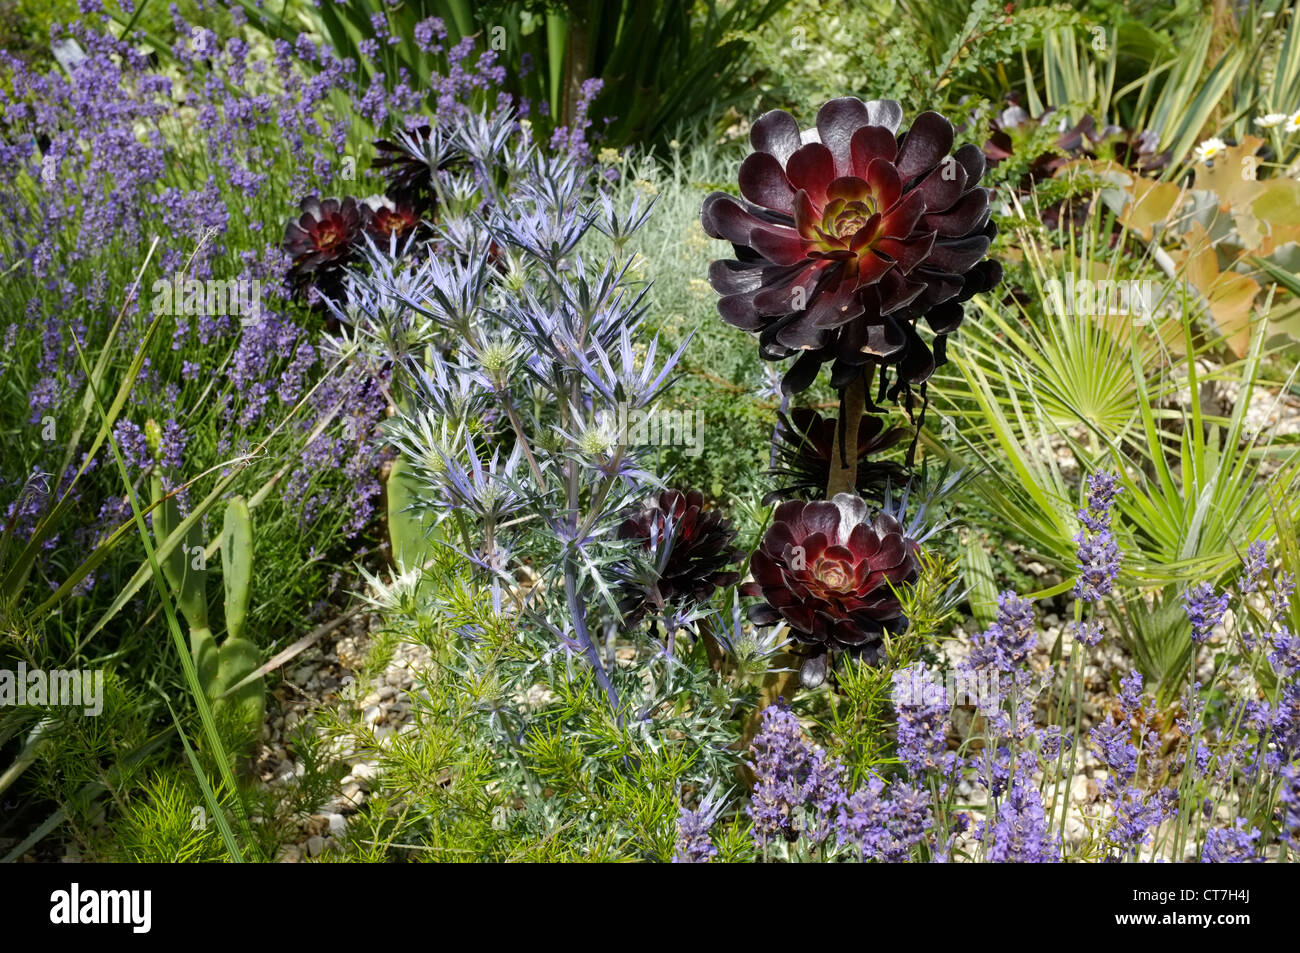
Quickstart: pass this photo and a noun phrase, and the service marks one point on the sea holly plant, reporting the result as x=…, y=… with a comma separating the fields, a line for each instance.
x=519, y=341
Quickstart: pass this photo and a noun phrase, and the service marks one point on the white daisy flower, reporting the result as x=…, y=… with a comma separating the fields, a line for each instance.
x=1292, y=123
x=1270, y=120
x=1210, y=149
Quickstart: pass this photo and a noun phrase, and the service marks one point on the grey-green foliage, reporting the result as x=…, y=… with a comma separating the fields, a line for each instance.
x=514, y=754
x=222, y=668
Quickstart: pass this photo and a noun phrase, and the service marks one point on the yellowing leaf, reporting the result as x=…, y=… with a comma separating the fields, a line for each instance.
x=1278, y=202
x=1233, y=176
x=1152, y=203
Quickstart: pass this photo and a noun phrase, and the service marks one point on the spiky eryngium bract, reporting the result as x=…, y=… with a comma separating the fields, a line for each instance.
x=847, y=235
x=520, y=342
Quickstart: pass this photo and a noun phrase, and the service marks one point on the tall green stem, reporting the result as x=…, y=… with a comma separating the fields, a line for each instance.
x=844, y=457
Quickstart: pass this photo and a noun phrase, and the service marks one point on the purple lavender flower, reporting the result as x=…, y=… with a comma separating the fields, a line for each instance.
x=792, y=778
x=1204, y=610
x=1130, y=693
x=1113, y=744
x=1020, y=833
x=1255, y=564
x=1279, y=721
x=1285, y=657
x=823, y=794
x=923, y=719
x=1099, y=561
x=1283, y=589
x=1098, y=553
x=133, y=445
x=693, y=843
x=1289, y=799
x=1193, y=707
x=1234, y=845
x=1137, y=814
x=885, y=826
x=780, y=765
x=1103, y=487
x=1008, y=642
x=1087, y=633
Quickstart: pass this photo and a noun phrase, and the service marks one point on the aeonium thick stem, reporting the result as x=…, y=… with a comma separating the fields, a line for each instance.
x=844, y=455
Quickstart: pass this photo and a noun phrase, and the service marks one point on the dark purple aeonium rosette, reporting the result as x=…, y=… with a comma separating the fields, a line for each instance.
x=322, y=241
x=826, y=568
x=392, y=221
x=847, y=234
x=691, y=554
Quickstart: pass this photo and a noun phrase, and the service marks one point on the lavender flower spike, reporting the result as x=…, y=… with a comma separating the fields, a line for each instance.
x=923, y=719
x=693, y=844
x=1020, y=833
x=1234, y=845
x=1204, y=610
x=780, y=762
x=1255, y=564
x=1098, y=553
x=1010, y=639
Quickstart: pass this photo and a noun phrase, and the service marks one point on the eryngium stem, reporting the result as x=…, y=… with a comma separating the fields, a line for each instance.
x=579, y=613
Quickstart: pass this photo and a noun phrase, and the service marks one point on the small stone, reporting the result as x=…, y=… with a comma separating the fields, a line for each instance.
x=373, y=715
x=1075, y=830
x=289, y=854
x=315, y=845
x=1083, y=790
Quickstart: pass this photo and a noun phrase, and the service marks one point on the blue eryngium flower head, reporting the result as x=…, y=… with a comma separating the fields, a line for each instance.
x=620, y=226
x=484, y=137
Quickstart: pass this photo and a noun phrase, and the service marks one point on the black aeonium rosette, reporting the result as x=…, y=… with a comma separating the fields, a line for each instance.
x=846, y=235
x=827, y=568
x=691, y=554
x=322, y=241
